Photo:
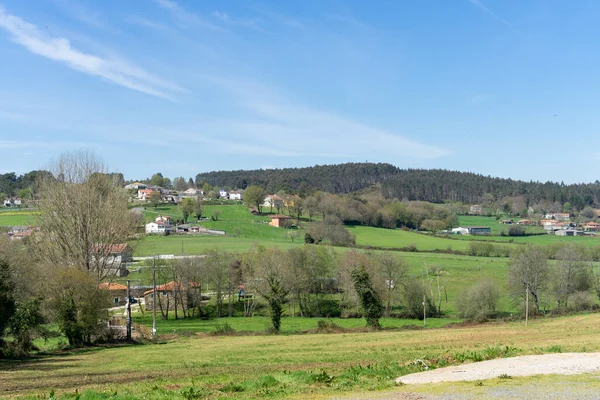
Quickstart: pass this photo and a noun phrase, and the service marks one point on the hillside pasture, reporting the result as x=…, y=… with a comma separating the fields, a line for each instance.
x=398, y=239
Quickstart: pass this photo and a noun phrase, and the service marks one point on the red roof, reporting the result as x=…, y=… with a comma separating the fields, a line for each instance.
x=170, y=286
x=111, y=248
x=112, y=286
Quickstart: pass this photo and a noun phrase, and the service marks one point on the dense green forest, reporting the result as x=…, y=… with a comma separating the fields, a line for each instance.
x=434, y=185
x=340, y=178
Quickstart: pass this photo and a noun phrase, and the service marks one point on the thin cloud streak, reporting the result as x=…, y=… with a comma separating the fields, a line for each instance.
x=482, y=6
x=184, y=18
x=241, y=22
x=60, y=49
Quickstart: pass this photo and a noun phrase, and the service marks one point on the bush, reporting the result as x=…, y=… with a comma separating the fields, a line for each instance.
x=478, y=303
x=413, y=296
x=330, y=308
x=481, y=249
x=581, y=301
x=516, y=230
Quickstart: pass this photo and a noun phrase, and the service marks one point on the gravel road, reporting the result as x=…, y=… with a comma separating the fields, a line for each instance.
x=562, y=363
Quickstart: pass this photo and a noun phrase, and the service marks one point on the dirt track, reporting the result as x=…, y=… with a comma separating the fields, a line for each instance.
x=563, y=364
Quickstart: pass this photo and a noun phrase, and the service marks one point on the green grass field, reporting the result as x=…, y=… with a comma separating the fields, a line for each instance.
x=308, y=366
x=289, y=325
x=16, y=217
x=397, y=238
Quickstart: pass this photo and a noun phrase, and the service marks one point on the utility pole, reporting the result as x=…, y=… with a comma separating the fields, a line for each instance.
x=128, y=310
x=526, y=305
x=154, y=296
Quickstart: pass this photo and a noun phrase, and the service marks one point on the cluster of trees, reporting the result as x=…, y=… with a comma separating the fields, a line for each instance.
x=54, y=275
x=24, y=186
x=312, y=281
x=354, y=210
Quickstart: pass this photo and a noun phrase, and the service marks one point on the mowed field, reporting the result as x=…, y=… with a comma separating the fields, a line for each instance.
x=287, y=366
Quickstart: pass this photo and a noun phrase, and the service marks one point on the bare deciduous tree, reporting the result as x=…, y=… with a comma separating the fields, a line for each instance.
x=528, y=272
x=83, y=217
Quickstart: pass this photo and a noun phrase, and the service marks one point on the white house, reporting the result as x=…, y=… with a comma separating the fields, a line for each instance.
x=460, y=231
x=159, y=227
x=136, y=185
x=557, y=216
x=192, y=192
x=224, y=194
x=12, y=202
x=273, y=200
x=236, y=195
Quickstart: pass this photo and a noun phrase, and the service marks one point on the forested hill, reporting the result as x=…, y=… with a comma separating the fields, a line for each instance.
x=340, y=178
x=434, y=185
x=437, y=185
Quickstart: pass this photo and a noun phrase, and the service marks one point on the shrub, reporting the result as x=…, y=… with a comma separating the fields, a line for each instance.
x=581, y=301
x=478, y=303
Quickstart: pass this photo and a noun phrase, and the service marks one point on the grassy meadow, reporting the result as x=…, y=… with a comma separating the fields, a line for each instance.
x=315, y=366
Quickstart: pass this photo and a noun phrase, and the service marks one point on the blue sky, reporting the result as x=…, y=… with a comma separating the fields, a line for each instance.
x=505, y=88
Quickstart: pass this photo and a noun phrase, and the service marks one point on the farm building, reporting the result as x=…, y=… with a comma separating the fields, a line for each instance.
x=479, y=230
x=460, y=231
x=507, y=221
x=280, y=221
x=568, y=232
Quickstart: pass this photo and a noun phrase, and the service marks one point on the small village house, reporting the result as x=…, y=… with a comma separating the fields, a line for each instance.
x=273, y=201
x=160, y=228
x=173, y=293
x=224, y=194
x=557, y=216
x=117, y=291
x=236, y=195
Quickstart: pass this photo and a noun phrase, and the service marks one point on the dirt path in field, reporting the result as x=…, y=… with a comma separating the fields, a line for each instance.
x=562, y=364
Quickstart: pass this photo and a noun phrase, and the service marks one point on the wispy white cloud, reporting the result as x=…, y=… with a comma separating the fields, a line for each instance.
x=272, y=125
x=89, y=17
x=185, y=18
x=60, y=49
x=241, y=22
x=483, y=7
